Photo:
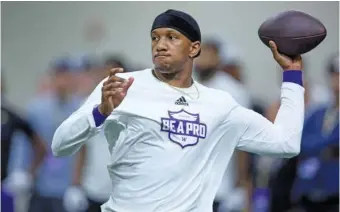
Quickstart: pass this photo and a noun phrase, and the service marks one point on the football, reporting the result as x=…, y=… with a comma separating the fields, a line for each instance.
x=294, y=32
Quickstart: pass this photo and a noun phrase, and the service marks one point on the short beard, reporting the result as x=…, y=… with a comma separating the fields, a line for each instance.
x=166, y=70
x=167, y=74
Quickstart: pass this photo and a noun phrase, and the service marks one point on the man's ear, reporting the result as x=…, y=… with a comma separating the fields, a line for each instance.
x=195, y=49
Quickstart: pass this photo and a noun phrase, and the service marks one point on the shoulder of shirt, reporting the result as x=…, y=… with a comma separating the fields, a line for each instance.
x=217, y=94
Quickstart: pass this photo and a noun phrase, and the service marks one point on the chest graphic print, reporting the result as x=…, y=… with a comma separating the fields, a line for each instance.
x=184, y=128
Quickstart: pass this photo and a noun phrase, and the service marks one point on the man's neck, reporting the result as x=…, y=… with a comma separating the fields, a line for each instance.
x=180, y=79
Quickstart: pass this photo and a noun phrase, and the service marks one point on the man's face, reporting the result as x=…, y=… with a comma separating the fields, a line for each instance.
x=171, y=50
x=62, y=81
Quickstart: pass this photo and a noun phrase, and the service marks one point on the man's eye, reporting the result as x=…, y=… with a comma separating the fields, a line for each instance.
x=172, y=37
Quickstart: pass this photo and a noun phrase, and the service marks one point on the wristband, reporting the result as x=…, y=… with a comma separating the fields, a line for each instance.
x=293, y=76
x=98, y=117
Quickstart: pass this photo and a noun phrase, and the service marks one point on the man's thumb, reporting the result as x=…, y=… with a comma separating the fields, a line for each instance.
x=273, y=48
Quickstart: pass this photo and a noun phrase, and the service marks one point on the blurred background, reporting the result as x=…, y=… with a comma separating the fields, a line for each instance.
x=54, y=53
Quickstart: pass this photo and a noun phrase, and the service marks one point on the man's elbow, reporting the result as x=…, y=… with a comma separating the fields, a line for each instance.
x=292, y=149
x=62, y=148
x=57, y=153
x=291, y=154
x=59, y=150
x=59, y=144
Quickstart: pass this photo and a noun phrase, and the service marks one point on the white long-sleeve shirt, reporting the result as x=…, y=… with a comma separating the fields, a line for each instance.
x=169, y=146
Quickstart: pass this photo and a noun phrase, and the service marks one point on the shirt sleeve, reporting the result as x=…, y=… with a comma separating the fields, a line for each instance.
x=281, y=138
x=82, y=125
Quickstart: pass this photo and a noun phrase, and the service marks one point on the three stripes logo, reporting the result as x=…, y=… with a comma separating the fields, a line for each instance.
x=181, y=101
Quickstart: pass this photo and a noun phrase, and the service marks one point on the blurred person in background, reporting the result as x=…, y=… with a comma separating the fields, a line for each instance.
x=85, y=79
x=92, y=69
x=91, y=184
x=267, y=168
x=274, y=174
x=217, y=68
x=233, y=66
x=17, y=181
x=44, y=85
x=310, y=181
x=110, y=61
x=115, y=61
x=316, y=184
x=45, y=113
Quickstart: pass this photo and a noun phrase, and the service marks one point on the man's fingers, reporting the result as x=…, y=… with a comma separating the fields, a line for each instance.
x=273, y=46
x=115, y=88
x=129, y=83
x=114, y=97
x=125, y=87
x=114, y=71
x=115, y=79
x=108, y=94
x=116, y=82
x=298, y=58
x=112, y=86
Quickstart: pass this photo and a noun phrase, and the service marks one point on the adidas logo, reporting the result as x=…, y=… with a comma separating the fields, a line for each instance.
x=181, y=101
